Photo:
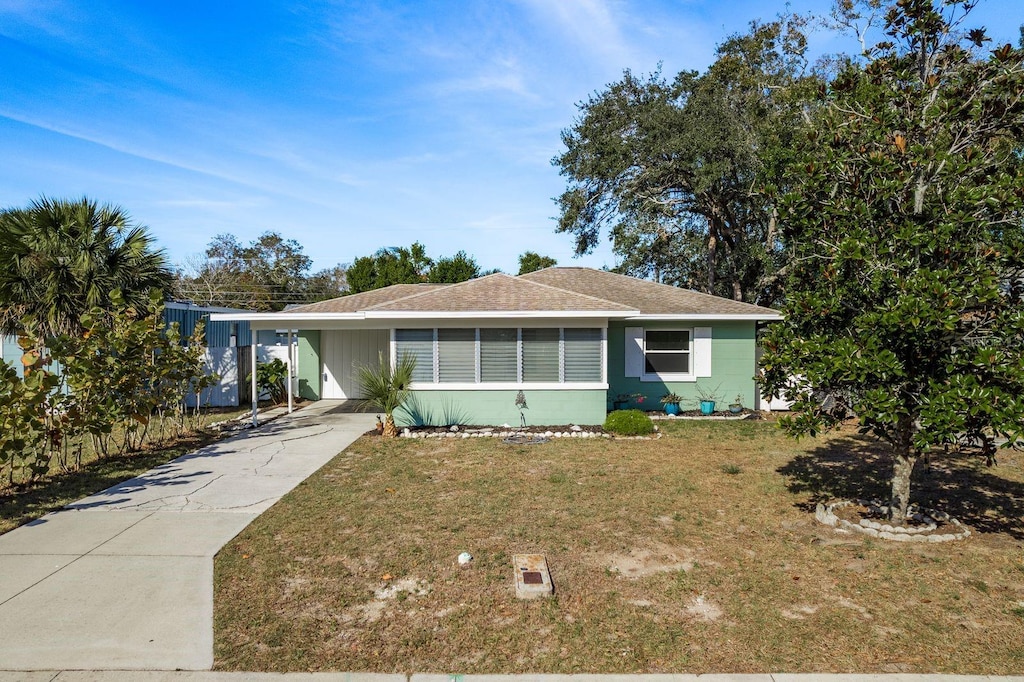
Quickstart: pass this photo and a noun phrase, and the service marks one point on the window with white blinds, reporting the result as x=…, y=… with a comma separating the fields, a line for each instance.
x=418, y=343
x=582, y=352
x=540, y=355
x=547, y=355
x=456, y=356
x=499, y=355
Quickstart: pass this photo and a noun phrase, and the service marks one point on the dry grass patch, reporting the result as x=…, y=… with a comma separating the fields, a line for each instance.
x=692, y=553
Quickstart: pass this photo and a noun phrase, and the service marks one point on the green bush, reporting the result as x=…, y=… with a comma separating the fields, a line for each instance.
x=270, y=378
x=628, y=423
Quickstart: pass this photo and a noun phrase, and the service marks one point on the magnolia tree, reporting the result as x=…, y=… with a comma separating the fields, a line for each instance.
x=905, y=299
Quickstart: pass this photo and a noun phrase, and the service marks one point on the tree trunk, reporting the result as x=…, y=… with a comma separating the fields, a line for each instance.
x=902, y=469
x=712, y=248
x=390, y=430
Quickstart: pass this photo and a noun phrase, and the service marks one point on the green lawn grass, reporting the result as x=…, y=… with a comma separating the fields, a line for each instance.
x=696, y=552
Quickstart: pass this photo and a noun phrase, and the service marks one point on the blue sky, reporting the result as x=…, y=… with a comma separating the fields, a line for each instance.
x=344, y=125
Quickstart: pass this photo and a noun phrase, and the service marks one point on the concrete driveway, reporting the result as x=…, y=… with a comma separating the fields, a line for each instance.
x=124, y=579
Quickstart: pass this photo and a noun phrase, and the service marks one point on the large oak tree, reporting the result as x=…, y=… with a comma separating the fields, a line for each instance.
x=683, y=175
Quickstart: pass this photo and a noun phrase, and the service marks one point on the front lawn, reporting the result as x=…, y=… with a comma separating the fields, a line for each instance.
x=695, y=553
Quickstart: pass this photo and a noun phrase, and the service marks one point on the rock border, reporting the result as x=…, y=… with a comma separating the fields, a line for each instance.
x=705, y=417
x=506, y=433
x=825, y=513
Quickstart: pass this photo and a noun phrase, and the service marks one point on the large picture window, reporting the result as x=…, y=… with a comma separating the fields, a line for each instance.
x=667, y=351
x=530, y=355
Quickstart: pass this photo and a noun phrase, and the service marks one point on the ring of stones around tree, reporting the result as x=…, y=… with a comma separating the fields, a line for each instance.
x=927, y=520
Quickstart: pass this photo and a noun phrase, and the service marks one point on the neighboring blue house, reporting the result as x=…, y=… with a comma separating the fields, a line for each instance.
x=222, y=341
x=571, y=339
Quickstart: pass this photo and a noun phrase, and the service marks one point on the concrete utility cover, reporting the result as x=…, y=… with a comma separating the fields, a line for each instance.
x=532, y=577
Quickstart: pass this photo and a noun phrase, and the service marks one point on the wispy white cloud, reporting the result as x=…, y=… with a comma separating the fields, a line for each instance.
x=504, y=76
x=592, y=25
x=262, y=183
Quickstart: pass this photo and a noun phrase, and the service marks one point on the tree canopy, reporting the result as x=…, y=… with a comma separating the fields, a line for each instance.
x=457, y=268
x=905, y=294
x=531, y=262
x=267, y=274
x=60, y=258
x=392, y=265
x=401, y=265
x=684, y=174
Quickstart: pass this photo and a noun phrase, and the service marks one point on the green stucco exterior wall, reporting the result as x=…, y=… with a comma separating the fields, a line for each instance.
x=544, y=408
x=733, y=366
x=309, y=364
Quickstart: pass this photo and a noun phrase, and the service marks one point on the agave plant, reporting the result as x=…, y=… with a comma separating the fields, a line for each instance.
x=386, y=388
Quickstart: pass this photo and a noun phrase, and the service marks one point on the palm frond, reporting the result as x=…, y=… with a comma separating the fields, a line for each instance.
x=384, y=387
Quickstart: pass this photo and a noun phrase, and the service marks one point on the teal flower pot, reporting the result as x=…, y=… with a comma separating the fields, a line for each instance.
x=707, y=406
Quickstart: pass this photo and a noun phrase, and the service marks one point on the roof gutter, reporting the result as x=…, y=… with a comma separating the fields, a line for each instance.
x=724, y=317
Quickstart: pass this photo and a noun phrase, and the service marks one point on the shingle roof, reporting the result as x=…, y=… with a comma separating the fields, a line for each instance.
x=367, y=299
x=500, y=293
x=649, y=298
x=557, y=290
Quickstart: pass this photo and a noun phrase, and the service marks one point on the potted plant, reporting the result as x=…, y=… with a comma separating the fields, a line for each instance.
x=671, y=402
x=737, y=405
x=623, y=399
x=708, y=398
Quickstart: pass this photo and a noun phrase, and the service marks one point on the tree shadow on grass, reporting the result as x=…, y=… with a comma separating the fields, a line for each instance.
x=26, y=503
x=957, y=483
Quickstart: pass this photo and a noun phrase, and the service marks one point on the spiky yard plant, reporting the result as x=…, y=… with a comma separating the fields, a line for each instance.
x=386, y=388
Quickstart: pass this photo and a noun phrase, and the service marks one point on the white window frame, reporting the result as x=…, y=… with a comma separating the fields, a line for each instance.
x=519, y=384
x=673, y=376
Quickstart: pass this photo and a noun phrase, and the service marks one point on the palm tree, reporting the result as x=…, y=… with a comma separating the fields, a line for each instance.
x=387, y=388
x=61, y=258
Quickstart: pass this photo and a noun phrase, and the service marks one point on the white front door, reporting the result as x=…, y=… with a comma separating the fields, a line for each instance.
x=342, y=353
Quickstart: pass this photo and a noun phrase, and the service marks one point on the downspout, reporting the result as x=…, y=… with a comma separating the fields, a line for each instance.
x=290, y=366
x=252, y=378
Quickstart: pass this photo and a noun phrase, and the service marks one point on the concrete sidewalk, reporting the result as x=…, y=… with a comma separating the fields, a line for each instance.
x=124, y=579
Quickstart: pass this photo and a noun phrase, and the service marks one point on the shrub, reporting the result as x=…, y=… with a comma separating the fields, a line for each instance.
x=628, y=423
x=270, y=378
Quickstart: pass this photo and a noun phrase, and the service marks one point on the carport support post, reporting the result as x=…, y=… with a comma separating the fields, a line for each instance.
x=255, y=395
x=289, y=371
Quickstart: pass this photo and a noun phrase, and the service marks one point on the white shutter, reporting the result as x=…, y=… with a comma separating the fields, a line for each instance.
x=634, y=352
x=702, y=351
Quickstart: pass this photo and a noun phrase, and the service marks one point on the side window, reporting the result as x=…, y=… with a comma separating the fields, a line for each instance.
x=667, y=351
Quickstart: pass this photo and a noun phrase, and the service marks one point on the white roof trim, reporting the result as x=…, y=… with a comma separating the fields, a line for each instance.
x=283, y=317
x=492, y=314
x=743, y=317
